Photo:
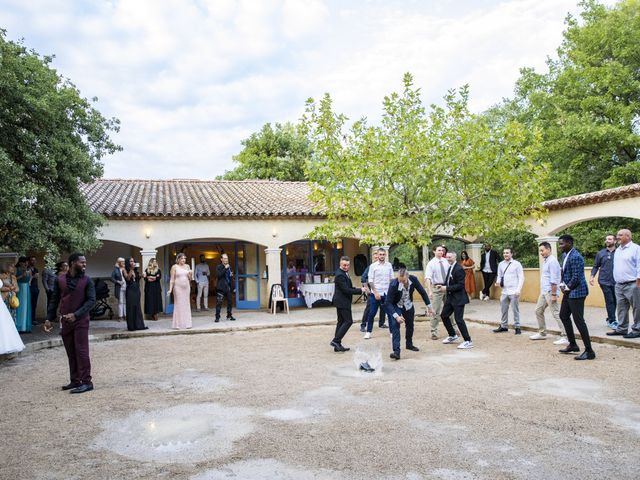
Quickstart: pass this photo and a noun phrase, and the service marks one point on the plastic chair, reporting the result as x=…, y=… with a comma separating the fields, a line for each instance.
x=277, y=295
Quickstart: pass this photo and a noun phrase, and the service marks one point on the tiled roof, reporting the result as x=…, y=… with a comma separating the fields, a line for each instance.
x=593, y=197
x=199, y=198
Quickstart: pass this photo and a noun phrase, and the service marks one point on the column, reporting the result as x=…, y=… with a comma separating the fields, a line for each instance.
x=146, y=256
x=475, y=253
x=554, y=247
x=274, y=267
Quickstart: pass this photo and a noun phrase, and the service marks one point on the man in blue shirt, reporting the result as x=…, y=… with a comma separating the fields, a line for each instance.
x=604, y=264
x=626, y=272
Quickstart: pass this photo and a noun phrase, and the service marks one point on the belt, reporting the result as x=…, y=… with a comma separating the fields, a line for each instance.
x=626, y=283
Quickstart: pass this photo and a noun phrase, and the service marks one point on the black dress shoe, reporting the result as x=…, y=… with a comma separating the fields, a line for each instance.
x=569, y=349
x=383, y=326
x=363, y=328
x=500, y=330
x=413, y=348
x=518, y=331
x=70, y=386
x=217, y=319
x=616, y=332
x=85, y=387
x=394, y=355
x=632, y=335
x=231, y=318
x=336, y=346
x=586, y=355
x=344, y=349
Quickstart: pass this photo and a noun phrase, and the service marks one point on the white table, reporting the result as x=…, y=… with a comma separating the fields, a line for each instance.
x=313, y=292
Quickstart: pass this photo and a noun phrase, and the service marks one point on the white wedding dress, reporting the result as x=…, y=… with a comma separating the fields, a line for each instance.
x=10, y=341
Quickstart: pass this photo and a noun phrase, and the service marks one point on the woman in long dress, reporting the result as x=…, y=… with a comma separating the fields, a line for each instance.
x=9, y=288
x=135, y=321
x=152, y=290
x=23, y=314
x=180, y=286
x=469, y=280
x=10, y=341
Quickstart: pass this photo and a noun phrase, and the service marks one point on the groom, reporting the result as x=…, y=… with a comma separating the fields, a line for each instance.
x=75, y=294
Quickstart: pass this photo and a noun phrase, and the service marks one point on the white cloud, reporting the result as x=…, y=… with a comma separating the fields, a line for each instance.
x=190, y=79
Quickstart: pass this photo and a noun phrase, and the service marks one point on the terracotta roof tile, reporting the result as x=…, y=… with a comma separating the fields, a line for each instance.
x=199, y=198
x=600, y=196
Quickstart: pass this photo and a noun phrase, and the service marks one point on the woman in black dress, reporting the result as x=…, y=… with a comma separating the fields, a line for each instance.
x=152, y=290
x=135, y=321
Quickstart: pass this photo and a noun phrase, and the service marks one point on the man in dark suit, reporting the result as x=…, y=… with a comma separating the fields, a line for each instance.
x=489, y=268
x=399, y=308
x=456, y=299
x=342, y=301
x=574, y=291
x=224, y=287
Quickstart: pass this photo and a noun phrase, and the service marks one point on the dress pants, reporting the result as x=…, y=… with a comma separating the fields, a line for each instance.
x=35, y=293
x=373, y=306
x=574, y=307
x=345, y=320
x=75, y=337
x=544, y=301
x=628, y=297
x=489, y=279
x=458, y=314
x=437, y=301
x=203, y=292
x=365, y=315
x=609, y=293
x=394, y=327
x=514, y=301
x=220, y=297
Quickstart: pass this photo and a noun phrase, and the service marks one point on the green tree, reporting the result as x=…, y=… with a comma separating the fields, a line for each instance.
x=51, y=141
x=587, y=104
x=276, y=153
x=419, y=172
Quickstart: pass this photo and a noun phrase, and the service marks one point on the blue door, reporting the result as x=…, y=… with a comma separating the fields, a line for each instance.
x=247, y=276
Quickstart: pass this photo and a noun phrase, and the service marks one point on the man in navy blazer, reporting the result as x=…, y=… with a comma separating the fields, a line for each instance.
x=574, y=291
x=399, y=308
x=342, y=301
x=454, y=303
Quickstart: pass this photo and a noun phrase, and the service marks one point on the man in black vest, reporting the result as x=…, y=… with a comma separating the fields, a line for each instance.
x=399, y=308
x=454, y=303
x=344, y=290
x=489, y=268
x=225, y=287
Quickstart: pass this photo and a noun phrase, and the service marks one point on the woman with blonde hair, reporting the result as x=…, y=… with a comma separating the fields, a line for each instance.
x=180, y=286
x=152, y=290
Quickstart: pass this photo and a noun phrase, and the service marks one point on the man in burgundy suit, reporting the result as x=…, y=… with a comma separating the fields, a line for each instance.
x=73, y=297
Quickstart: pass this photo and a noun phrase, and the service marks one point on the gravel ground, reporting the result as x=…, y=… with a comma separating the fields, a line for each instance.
x=280, y=404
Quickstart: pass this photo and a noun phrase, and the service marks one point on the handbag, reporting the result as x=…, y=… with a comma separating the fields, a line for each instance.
x=14, y=302
x=503, y=274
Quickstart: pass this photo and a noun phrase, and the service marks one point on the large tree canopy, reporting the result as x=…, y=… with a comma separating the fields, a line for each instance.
x=51, y=140
x=587, y=104
x=272, y=154
x=418, y=173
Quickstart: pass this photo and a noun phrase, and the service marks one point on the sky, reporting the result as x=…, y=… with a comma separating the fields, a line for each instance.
x=190, y=79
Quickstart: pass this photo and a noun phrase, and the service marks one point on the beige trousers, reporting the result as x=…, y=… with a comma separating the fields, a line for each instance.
x=544, y=301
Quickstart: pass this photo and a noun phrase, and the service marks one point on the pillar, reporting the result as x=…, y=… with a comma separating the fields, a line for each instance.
x=146, y=256
x=274, y=267
x=475, y=251
x=554, y=247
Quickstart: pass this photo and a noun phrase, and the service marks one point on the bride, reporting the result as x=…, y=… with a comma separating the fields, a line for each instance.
x=10, y=341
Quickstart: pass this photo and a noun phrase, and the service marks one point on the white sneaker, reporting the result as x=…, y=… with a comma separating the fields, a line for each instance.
x=450, y=339
x=486, y=298
x=538, y=336
x=481, y=296
x=561, y=341
x=367, y=335
x=465, y=345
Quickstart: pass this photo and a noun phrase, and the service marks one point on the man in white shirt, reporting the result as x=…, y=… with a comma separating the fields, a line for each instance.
x=626, y=273
x=435, y=275
x=380, y=276
x=550, y=278
x=510, y=279
x=202, y=281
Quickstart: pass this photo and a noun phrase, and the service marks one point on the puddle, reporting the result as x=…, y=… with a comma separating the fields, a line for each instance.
x=313, y=404
x=267, y=469
x=183, y=434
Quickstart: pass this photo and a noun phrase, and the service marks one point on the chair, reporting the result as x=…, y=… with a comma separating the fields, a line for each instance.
x=277, y=295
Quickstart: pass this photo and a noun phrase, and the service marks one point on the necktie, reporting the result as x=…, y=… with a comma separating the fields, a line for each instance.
x=449, y=275
x=444, y=275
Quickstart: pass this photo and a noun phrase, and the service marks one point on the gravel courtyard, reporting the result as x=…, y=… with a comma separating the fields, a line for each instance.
x=280, y=404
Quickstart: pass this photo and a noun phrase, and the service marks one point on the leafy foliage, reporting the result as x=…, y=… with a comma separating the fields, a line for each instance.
x=419, y=172
x=272, y=154
x=51, y=140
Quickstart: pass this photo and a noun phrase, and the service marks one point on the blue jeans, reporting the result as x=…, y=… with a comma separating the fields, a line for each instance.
x=609, y=292
x=394, y=327
x=373, y=306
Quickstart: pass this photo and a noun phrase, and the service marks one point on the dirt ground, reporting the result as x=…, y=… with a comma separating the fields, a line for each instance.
x=280, y=404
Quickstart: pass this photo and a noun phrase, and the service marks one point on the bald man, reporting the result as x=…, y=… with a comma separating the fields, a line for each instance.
x=626, y=273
